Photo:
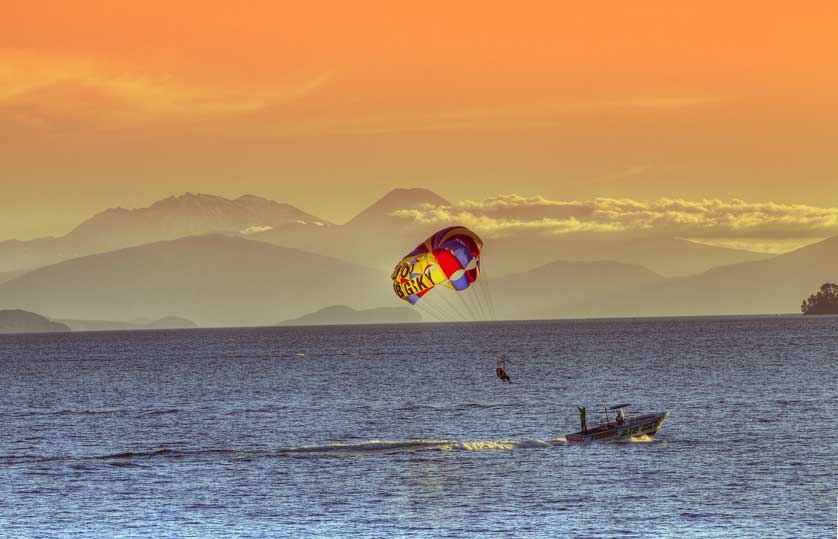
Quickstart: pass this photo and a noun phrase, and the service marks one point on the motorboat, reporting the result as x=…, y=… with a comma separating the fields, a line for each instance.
x=623, y=426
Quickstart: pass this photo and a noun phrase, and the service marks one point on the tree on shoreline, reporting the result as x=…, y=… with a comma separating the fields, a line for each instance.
x=824, y=302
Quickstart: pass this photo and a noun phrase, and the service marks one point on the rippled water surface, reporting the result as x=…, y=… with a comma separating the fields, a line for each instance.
x=403, y=431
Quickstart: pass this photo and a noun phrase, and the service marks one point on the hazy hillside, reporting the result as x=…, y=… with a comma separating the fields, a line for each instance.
x=18, y=321
x=220, y=280
x=168, y=322
x=341, y=314
x=17, y=256
x=673, y=257
x=213, y=280
x=373, y=238
x=171, y=218
x=9, y=275
x=551, y=290
x=185, y=215
x=377, y=216
x=666, y=256
x=776, y=285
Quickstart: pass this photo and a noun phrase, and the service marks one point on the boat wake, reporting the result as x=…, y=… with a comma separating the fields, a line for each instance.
x=371, y=448
x=642, y=439
x=388, y=447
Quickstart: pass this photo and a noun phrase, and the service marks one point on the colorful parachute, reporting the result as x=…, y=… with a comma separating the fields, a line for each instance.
x=447, y=262
x=451, y=257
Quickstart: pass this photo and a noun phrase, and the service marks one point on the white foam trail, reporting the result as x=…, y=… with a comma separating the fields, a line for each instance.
x=646, y=439
x=384, y=447
x=369, y=448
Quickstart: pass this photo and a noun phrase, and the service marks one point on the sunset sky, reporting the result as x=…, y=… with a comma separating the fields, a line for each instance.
x=328, y=106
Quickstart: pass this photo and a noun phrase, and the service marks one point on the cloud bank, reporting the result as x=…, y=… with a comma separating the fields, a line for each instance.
x=710, y=219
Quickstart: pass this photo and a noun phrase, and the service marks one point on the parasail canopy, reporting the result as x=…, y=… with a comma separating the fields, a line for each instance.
x=450, y=257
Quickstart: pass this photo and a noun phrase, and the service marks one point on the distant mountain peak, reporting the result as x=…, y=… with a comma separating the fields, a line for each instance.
x=254, y=198
x=412, y=196
x=398, y=199
x=184, y=215
x=261, y=203
x=189, y=198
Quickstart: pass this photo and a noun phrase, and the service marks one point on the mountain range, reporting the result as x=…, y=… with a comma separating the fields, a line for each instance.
x=613, y=289
x=775, y=285
x=252, y=261
x=171, y=218
x=373, y=238
x=550, y=290
x=215, y=280
x=220, y=280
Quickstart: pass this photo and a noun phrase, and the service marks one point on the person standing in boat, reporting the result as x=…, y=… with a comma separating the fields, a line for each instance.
x=582, y=418
x=620, y=418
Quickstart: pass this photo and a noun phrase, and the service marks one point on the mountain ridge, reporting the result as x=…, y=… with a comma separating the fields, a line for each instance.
x=776, y=285
x=220, y=280
x=373, y=238
x=169, y=218
x=553, y=287
x=191, y=214
x=21, y=321
x=399, y=198
x=213, y=279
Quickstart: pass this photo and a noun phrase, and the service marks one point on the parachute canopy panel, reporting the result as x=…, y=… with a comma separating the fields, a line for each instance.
x=450, y=257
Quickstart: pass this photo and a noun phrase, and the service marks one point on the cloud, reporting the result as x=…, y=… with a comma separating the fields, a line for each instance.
x=40, y=90
x=46, y=92
x=255, y=230
x=712, y=219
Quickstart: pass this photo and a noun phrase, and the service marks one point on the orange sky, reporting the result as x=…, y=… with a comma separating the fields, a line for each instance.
x=329, y=106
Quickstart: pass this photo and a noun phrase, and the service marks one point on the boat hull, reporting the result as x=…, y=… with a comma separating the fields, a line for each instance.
x=645, y=425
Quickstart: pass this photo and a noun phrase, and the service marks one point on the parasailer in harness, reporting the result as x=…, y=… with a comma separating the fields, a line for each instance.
x=443, y=267
x=500, y=371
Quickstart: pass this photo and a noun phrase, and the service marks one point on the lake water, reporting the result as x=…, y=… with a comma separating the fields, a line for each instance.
x=404, y=431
